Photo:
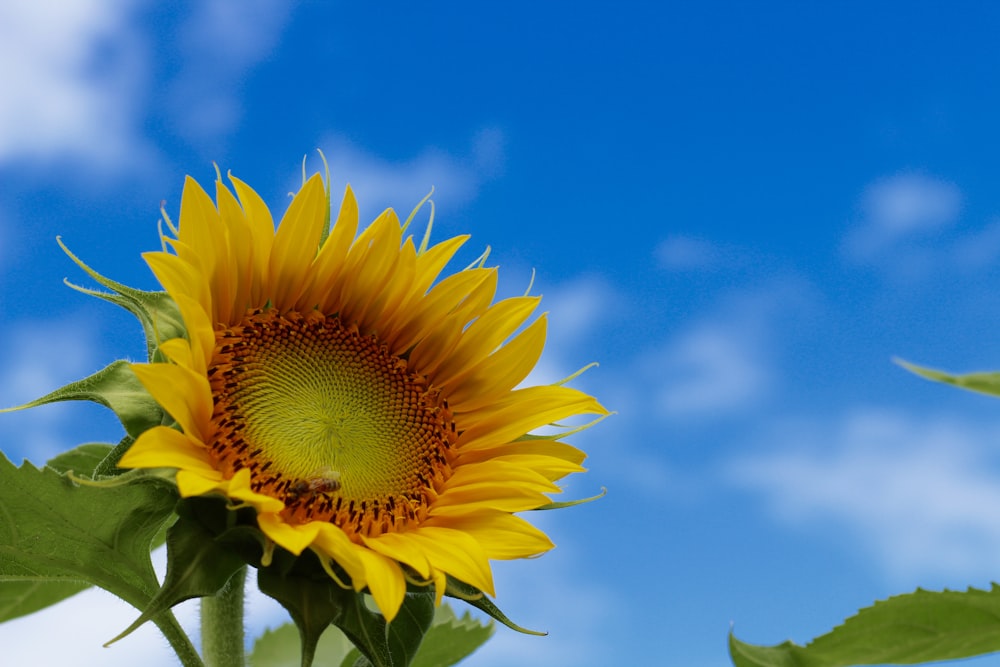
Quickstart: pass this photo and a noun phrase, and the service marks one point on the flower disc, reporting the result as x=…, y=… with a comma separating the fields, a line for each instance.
x=328, y=421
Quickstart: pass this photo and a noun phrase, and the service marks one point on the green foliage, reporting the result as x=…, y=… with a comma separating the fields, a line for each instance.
x=62, y=536
x=315, y=601
x=984, y=383
x=82, y=460
x=448, y=641
x=19, y=598
x=451, y=639
x=115, y=387
x=197, y=566
x=281, y=648
x=923, y=626
x=476, y=598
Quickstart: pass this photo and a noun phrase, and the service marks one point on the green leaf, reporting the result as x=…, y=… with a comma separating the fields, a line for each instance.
x=82, y=460
x=923, y=626
x=197, y=566
x=20, y=598
x=451, y=639
x=281, y=648
x=52, y=530
x=984, y=383
x=115, y=387
x=407, y=630
x=475, y=597
x=160, y=318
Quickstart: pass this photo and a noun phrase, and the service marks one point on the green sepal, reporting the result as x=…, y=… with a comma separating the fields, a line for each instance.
x=56, y=531
x=199, y=562
x=984, y=383
x=315, y=601
x=924, y=626
x=157, y=313
x=115, y=387
x=572, y=503
x=475, y=597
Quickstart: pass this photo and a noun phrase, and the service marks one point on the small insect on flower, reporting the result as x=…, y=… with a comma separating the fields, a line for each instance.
x=322, y=481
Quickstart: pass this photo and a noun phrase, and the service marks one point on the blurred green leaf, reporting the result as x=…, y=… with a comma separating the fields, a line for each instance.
x=451, y=639
x=919, y=627
x=281, y=648
x=448, y=641
x=984, y=383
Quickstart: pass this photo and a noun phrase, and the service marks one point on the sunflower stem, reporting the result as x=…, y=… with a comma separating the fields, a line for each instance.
x=179, y=641
x=222, y=624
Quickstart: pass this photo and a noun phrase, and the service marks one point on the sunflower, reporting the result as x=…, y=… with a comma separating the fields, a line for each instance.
x=364, y=406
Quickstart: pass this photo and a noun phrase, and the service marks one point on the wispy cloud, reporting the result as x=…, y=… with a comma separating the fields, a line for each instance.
x=71, y=73
x=902, y=207
x=712, y=368
x=921, y=493
x=219, y=42
x=380, y=183
x=724, y=362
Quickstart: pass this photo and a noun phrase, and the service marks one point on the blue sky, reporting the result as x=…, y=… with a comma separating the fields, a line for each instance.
x=743, y=212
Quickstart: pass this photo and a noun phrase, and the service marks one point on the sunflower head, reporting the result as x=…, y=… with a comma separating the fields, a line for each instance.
x=367, y=408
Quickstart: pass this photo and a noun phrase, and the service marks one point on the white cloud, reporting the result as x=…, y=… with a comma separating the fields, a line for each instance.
x=219, y=42
x=922, y=493
x=71, y=72
x=379, y=183
x=908, y=204
x=724, y=362
x=712, y=368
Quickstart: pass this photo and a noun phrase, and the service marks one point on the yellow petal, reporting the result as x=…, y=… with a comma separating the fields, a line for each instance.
x=400, y=547
x=385, y=581
x=479, y=385
x=295, y=538
x=486, y=334
x=503, y=536
x=296, y=243
x=456, y=553
x=185, y=395
x=524, y=410
x=261, y=227
x=163, y=447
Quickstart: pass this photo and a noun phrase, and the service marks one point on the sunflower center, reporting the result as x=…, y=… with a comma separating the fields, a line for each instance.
x=328, y=422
